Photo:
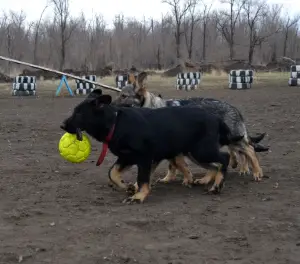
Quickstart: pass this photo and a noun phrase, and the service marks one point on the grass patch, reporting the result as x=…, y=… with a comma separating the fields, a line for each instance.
x=157, y=83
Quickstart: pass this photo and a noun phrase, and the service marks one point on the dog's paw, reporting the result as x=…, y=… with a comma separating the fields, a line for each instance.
x=112, y=186
x=234, y=164
x=131, y=189
x=139, y=197
x=199, y=182
x=257, y=176
x=204, y=180
x=187, y=183
x=131, y=200
x=244, y=172
x=165, y=180
x=216, y=188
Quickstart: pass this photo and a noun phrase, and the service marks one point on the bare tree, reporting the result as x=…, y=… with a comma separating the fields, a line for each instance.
x=226, y=22
x=205, y=19
x=256, y=13
x=146, y=43
x=36, y=36
x=289, y=23
x=179, y=11
x=272, y=21
x=66, y=26
x=189, y=25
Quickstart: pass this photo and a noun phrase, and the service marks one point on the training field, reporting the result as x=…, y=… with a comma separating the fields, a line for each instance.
x=52, y=211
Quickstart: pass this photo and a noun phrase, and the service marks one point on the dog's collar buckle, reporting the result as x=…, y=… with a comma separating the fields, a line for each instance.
x=105, y=146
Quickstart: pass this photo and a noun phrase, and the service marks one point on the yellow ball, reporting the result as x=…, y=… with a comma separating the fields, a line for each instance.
x=74, y=150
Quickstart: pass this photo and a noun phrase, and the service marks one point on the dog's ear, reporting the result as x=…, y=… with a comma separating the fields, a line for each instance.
x=131, y=79
x=95, y=94
x=104, y=99
x=141, y=79
x=140, y=85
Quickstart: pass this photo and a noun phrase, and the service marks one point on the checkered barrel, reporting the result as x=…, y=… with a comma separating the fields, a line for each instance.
x=24, y=86
x=240, y=79
x=294, y=79
x=123, y=79
x=188, y=81
x=82, y=87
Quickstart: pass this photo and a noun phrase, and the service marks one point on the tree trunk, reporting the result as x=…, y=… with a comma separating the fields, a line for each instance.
x=204, y=42
x=9, y=47
x=35, y=49
x=232, y=29
x=110, y=49
x=231, y=49
x=286, y=36
x=158, y=59
x=36, y=37
x=294, y=44
x=62, y=53
x=190, y=50
x=250, y=54
x=177, y=37
x=274, y=53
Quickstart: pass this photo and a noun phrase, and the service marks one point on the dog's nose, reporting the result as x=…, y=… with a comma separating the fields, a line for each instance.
x=63, y=126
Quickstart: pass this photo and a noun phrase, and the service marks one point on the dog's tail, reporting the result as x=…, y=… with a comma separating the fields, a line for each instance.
x=260, y=148
x=258, y=138
x=254, y=141
x=226, y=138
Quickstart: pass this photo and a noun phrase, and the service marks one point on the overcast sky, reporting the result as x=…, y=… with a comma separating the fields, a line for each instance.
x=110, y=8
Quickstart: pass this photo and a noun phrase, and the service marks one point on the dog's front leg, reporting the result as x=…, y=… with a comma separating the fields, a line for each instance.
x=115, y=174
x=244, y=168
x=133, y=188
x=256, y=169
x=143, y=183
x=233, y=158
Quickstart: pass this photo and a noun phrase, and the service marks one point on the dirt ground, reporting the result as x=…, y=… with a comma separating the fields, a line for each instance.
x=52, y=211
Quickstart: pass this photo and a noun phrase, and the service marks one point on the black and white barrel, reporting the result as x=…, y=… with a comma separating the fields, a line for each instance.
x=240, y=79
x=82, y=87
x=294, y=79
x=122, y=80
x=24, y=86
x=188, y=81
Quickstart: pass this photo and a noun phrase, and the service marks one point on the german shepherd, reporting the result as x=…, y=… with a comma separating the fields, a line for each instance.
x=136, y=95
x=144, y=137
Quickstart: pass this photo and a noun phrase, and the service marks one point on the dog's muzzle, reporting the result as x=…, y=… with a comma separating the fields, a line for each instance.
x=78, y=131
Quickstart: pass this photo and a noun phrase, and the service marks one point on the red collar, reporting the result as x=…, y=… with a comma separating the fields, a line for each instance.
x=105, y=146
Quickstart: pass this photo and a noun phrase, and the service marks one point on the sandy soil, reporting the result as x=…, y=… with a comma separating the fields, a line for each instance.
x=55, y=212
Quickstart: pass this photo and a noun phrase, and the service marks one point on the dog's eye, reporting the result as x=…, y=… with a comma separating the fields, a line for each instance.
x=123, y=96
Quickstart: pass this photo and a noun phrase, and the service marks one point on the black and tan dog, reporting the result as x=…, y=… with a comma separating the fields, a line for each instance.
x=135, y=94
x=144, y=137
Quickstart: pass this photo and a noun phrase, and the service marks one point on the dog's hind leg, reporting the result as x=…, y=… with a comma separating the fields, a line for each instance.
x=209, y=177
x=115, y=174
x=171, y=174
x=184, y=169
x=221, y=173
x=209, y=153
x=143, y=183
x=178, y=163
